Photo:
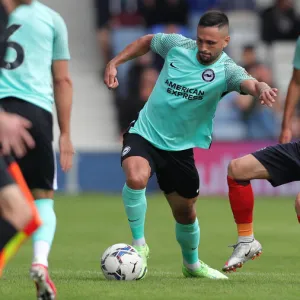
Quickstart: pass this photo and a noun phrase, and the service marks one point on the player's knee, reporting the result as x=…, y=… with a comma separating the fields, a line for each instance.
x=42, y=194
x=27, y=215
x=137, y=180
x=185, y=215
x=297, y=203
x=235, y=169
x=15, y=208
x=21, y=215
x=137, y=171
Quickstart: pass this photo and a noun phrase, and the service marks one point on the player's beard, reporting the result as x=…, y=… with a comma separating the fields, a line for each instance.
x=207, y=58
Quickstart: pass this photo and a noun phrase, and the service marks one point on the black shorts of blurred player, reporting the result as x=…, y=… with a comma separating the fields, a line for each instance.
x=279, y=164
x=176, y=173
x=38, y=165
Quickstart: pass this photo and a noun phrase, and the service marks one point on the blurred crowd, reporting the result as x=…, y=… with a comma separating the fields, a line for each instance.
x=120, y=22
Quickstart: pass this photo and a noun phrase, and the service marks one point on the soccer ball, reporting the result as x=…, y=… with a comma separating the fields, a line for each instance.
x=121, y=262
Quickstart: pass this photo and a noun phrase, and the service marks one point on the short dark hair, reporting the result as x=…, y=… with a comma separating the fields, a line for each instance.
x=214, y=18
x=248, y=47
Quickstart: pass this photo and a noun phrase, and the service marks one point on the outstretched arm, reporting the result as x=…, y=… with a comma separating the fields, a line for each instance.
x=138, y=48
x=159, y=43
x=240, y=81
x=260, y=90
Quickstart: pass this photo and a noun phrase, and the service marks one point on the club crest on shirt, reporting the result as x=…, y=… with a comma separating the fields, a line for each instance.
x=208, y=75
x=126, y=150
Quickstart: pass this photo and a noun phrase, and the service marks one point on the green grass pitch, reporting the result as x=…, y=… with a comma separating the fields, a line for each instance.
x=88, y=224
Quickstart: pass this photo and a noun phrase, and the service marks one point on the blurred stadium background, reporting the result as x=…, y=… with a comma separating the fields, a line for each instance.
x=263, y=33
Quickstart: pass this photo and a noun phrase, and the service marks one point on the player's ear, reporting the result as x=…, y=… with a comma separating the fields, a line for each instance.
x=226, y=41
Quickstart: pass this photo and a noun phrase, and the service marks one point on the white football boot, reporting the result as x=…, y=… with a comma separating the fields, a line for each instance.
x=242, y=252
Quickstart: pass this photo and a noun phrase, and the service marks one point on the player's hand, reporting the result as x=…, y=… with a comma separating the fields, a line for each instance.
x=267, y=96
x=14, y=135
x=285, y=135
x=110, y=76
x=66, y=152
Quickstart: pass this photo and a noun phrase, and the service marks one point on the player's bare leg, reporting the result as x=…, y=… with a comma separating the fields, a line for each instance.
x=18, y=215
x=42, y=242
x=15, y=214
x=240, y=172
x=137, y=171
x=297, y=207
x=188, y=237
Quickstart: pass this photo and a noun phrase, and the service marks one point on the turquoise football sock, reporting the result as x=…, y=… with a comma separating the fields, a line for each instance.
x=135, y=206
x=188, y=237
x=43, y=237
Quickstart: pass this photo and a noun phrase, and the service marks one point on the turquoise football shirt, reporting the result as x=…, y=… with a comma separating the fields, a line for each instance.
x=36, y=36
x=296, y=62
x=180, y=111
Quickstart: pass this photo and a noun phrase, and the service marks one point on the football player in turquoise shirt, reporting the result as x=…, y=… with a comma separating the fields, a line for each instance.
x=18, y=215
x=279, y=164
x=34, y=76
x=178, y=117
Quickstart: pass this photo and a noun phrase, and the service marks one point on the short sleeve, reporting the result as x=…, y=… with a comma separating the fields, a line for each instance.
x=162, y=43
x=235, y=75
x=60, y=43
x=296, y=61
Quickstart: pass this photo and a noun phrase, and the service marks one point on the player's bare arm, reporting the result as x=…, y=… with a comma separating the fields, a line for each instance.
x=138, y=48
x=260, y=90
x=14, y=135
x=290, y=104
x=63, y=93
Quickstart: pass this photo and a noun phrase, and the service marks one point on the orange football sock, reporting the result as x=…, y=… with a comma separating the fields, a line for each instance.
x=245, y=229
